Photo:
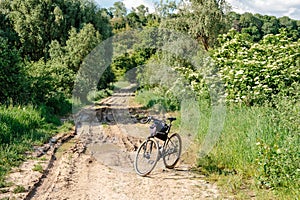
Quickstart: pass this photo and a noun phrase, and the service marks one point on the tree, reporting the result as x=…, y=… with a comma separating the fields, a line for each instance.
x=286, y=22
x=254, y=32
x=248, y=20
x=11, y=73
x=80, y=44
x=204, y=20
x=7, y=30
x=134, y=20
x=165, y=9
x=71, y=56
x=291, y=26
x=251, y=24
x=142, y=11
x=39, y=22
x=270, y=25
x=234, y=18
x=258, y=25
x=137, y=18
x=118, y=10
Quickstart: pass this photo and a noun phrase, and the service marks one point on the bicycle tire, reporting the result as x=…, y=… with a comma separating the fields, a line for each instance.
x=172, y=151
x=146, y=157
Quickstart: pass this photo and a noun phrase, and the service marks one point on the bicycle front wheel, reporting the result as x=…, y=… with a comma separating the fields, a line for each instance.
x=146, y=157
x=172, y=151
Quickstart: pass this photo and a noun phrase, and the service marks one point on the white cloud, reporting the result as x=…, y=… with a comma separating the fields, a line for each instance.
x=129, y=4
x=133, y=4
x=277, y=8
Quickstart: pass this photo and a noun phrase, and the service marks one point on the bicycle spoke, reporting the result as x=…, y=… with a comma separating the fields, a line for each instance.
x=172, y=151
x=146, y=157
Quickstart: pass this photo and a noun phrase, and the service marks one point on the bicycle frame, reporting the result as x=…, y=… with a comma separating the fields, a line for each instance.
x=161, y=148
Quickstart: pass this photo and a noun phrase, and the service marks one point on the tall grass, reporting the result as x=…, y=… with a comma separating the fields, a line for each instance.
x=20, y=128
x=236, y=145
x=258, y=149
x=260, y=144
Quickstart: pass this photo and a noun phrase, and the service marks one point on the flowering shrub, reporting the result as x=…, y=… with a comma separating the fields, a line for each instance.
x=255, y=72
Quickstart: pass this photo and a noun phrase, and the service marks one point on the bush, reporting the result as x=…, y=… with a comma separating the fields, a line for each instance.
x=11, y=74
x=256, y=72
x=94, y=96
x=158, y=100
x=49, y=84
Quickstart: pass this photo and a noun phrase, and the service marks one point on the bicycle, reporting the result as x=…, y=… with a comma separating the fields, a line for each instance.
x=150, y=151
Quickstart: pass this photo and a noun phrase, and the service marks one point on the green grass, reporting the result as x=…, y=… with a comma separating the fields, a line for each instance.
x=156, y=99
x=258, y=152
x=95, y=96
x=20, y=129
x=19, y=189
x=38, y=168
x=121, y=84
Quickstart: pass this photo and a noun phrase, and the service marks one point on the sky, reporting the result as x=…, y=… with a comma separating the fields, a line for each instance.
x=278, y=8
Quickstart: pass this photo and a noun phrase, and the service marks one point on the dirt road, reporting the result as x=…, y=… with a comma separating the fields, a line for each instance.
x=98, y=162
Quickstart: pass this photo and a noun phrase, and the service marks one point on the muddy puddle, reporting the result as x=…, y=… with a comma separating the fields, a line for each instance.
x=112, y=155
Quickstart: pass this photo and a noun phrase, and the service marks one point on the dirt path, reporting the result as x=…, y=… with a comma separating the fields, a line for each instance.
x=98, y=162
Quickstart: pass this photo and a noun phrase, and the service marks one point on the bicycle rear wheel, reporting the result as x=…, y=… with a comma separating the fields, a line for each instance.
x=172, y=151
x=146, y=157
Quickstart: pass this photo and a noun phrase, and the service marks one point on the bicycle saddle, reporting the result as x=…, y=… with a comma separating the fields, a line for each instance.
x=172, y=119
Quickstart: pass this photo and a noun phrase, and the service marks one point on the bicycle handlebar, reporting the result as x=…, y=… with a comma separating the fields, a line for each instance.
x=151, y=118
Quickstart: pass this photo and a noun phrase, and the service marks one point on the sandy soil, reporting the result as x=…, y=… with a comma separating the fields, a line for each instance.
x=98, y=162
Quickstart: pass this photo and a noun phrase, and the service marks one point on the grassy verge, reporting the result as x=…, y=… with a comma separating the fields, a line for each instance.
x=258, y=152
x=20, y=129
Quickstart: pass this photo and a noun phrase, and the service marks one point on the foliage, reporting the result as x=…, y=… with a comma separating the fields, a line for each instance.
x=157, y=100
x=76, y=51
x=11, y=73
x=118, y=10
x=6, y=28
x=95, y=96
x=47, y=84
x=165, y=9
x=137, y=18
x=258, y=26
x=266, y=151
x=180, y=68
x=20, y=128
x=279, y=159
x=76, y=55
x=256, y=72
x=127, y=61
x=43, y=44
x=203, y=20
x=39, y=22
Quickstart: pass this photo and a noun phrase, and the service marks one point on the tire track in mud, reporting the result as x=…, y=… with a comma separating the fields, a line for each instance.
x=99, y=163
